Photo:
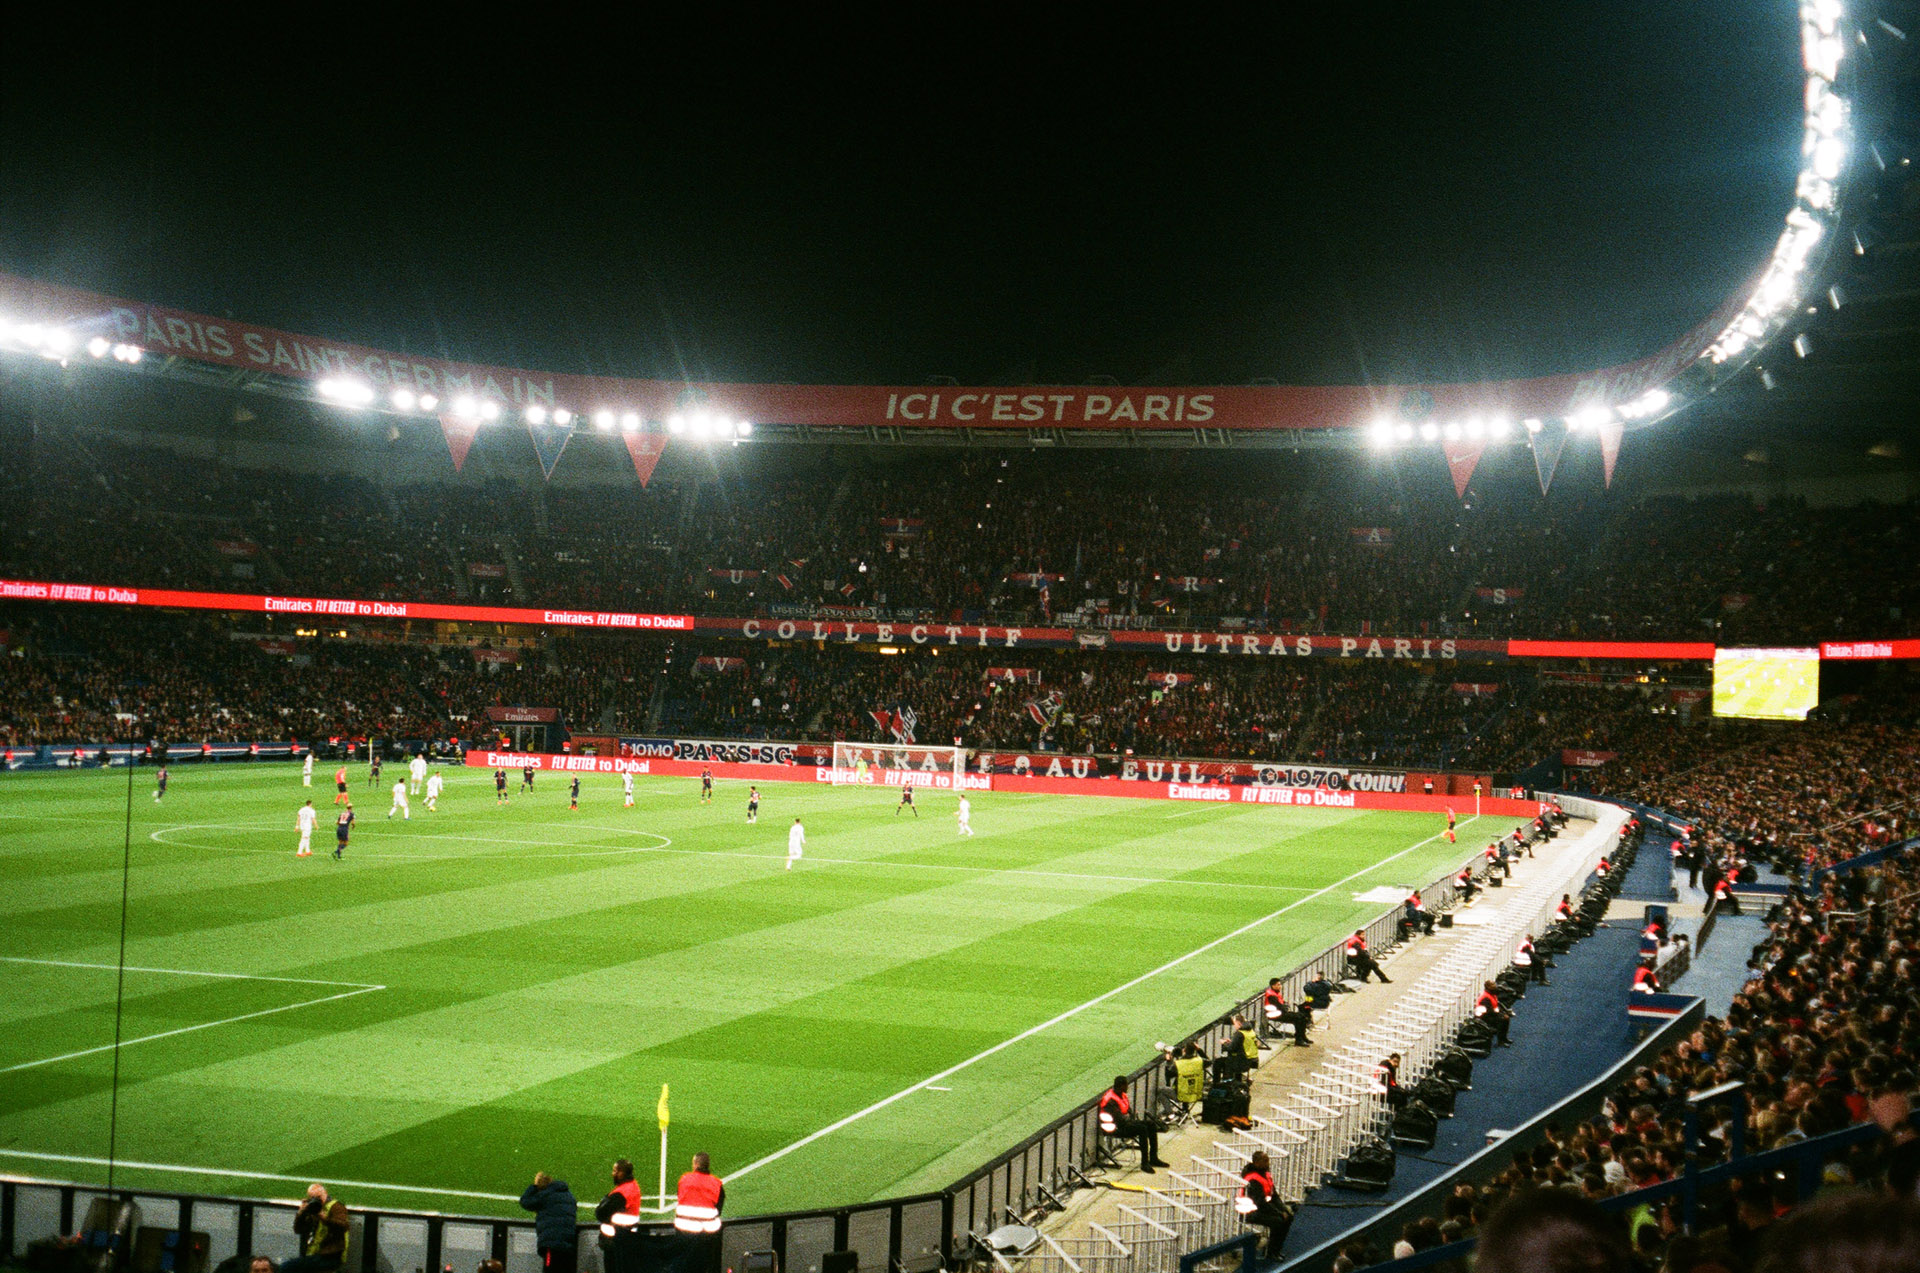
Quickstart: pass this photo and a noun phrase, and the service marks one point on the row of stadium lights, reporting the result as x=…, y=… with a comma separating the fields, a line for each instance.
x=60, y=344
x=700, y=422
x=1385, y=433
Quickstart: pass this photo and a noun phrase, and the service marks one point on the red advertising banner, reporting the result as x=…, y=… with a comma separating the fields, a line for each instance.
x=1909, y=649
x=165, y=331
x=336, y=607
x=1610, y=649
x=1583, y=758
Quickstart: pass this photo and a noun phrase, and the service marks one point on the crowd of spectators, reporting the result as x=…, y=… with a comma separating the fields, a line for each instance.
x=1120, y=539
x=1823, y=1035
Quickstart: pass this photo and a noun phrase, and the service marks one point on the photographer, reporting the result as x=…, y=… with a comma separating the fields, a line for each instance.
x=321, y=1224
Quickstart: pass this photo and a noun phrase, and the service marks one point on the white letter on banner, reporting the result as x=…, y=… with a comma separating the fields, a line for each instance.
x=918, y=634
x=1347, y=646
x=751, y=628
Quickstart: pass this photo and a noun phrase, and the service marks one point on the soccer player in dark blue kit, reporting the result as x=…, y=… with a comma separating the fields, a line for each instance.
x=342, y=828
x=573, y=793
x=161, y=788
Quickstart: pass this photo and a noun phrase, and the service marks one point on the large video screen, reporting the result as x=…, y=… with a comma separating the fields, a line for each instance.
x=1766, y=684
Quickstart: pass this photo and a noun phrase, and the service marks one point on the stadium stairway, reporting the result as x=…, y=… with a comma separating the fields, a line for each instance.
x=1564, y=1034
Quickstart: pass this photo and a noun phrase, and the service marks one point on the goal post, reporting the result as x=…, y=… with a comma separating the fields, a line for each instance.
x=897, y=765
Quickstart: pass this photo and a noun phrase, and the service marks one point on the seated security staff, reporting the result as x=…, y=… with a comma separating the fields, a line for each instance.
x=1417, y=916
x=1465, y=883
x=1487, y=1008
x=1360, y=961
x=1113, y=1114
x=1274, y=1010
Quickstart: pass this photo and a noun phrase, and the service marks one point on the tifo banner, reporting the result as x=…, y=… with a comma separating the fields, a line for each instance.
x=1371, y=536
x=1499, y=596
x=1268, y=645
x=164, y=331
x=1029, y=675
x=1476, y=689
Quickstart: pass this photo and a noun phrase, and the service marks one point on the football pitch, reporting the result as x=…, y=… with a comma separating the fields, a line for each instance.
x=487, y=991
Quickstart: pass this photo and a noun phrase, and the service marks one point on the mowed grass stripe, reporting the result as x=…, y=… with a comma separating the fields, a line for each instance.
x=553, y=999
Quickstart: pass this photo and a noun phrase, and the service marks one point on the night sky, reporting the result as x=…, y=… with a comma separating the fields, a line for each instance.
x=1372, y=192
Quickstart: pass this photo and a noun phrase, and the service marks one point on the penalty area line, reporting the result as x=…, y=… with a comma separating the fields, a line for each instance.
x=187, y=1029
x=1072, y=1012
x=178, y=1170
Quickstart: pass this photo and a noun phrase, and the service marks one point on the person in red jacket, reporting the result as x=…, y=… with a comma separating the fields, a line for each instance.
x=1487, y=1008
x=1113, y=1115
x=696, y=1213
x=1360, y=960
x=1257, y=1204
x=620, y=1209
x=1645, y=980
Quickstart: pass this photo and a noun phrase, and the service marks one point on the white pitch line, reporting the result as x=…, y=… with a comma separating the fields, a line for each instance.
x=188, y=1029
x=158, y=838
x=179, y=1170
x=1050, y=1022
x=189, y=972
x=1188, y=813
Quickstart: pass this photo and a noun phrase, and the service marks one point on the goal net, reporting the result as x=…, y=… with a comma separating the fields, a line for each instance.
x=890, y=765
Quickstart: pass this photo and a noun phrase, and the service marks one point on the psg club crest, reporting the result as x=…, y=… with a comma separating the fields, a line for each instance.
x=1416, y=405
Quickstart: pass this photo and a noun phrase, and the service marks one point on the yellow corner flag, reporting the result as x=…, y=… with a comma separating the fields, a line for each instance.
x=663, y=1107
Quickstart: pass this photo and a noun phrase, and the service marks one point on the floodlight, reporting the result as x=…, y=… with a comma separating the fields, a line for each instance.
x=466, y=407
x=701, y=425
x=403, y=398
x=489, y=410
x=677, y=423
x=1404, y=432
x=744, y=428
x=99, y=346
x=536, y=414
x=1500, y=426
x=1429, y=431
x=1380, y=433
x=562, y=416
x=27, y=333
x=1534, y=426
x=1452, y=431
x=630, y=421
x=1475, y=429
x=603, y=419
x=428, y=402
x=59, y=340
x=128, y=353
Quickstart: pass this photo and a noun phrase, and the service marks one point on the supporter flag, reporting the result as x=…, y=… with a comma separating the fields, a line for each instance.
x=798, y=563
x=549, y=440
x=1463, y=456
x=1046, y=602
x=883, y=717
x=785, y=582
x=645, y=450
x=660, y=1111
x=1548, y=444
x=460, y=434
x=1610, y=435
x=846, y=590
x=1045, y=708
x=905, y=719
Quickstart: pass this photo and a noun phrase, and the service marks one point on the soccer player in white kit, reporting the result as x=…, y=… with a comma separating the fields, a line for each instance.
x=796, y=843
x=416, y=774
x=433, y=791
x=306, y=771
x=626, y=785
x=305, y=820
x=400, y=805
x=965, y=814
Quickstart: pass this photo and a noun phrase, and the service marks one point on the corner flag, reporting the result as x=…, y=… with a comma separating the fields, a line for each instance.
x=663, y=1107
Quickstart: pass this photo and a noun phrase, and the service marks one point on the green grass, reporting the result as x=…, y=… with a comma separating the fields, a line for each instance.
x=540, y=973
